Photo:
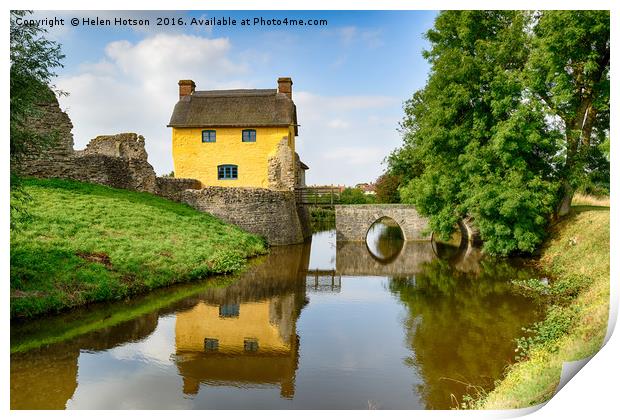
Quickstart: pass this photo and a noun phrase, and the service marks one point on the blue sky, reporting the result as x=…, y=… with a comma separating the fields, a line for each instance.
x=350, y=78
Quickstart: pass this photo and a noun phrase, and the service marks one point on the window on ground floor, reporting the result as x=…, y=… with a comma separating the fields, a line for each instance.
x=227, y=172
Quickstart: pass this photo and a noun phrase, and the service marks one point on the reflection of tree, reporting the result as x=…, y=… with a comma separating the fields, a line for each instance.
x=460, y=326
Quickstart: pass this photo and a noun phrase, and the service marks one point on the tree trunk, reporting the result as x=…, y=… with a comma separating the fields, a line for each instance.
x=567, y=199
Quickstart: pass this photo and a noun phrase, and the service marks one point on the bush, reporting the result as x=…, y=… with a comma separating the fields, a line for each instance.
x=355, y=196
x=386, y=188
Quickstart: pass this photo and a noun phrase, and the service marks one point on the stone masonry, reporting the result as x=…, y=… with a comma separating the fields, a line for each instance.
x=281, y=170
x=353, y=221
x=272, y=214
x=172, y=188
x=119, y=161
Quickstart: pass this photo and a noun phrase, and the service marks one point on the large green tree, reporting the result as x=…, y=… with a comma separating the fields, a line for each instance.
x=33, y=59
x=481, y=139
x=568, y=70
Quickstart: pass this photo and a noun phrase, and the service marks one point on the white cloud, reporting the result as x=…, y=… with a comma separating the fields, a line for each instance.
x=371, y=38
x=347, y=34
x=355, y=155
x=344, y=139
x=134, y=88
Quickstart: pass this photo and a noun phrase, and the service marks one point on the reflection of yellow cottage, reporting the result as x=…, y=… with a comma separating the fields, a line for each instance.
x=237, y=138
x=233, y=344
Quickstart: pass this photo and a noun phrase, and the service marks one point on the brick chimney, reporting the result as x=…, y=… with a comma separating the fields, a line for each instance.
x=186, y=87
x=285, y=85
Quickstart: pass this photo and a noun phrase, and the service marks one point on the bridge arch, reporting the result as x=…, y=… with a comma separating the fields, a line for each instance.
x=353, y=222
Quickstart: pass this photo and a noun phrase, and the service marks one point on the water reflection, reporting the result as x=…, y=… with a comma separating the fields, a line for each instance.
x=312, y=326
x=460, y=327
x=385, y=240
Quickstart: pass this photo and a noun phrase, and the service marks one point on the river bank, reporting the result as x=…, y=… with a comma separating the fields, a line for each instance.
x=576, y=256
x=88, y=243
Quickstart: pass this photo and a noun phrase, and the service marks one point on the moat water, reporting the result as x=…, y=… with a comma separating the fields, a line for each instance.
x=385, y=324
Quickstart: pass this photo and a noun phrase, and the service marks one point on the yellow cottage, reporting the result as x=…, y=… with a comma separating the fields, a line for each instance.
x=237, y=138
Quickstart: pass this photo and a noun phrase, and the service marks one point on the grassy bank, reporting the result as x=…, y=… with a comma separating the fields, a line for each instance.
x=89, y=243
x=576, y=256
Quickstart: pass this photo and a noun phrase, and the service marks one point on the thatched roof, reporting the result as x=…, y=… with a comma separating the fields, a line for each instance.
x=234, y=108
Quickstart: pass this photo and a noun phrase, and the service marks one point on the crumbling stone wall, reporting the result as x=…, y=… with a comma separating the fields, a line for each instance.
x=119, y=160
x=125, y=145
x=172, y=188
x=54, y=159
x=281, y=169
x=265, y=212
x=122, y=162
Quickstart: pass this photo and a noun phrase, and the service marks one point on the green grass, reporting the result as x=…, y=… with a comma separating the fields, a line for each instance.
x=577, y=258
x=89, y=243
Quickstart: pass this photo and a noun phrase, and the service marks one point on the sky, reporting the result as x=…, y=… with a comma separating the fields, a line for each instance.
x=350, y=78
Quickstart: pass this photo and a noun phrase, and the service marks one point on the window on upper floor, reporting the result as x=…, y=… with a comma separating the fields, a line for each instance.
x=208, y=136
x=227, y=172
x=248, y=136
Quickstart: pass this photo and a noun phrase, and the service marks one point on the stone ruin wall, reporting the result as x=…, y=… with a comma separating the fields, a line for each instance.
x=281, y=167
x=120, y=161
x=272, y=214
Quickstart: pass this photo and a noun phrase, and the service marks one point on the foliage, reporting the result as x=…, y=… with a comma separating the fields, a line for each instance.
x=322, y=219
x=355, y=196
x=577, y=258
x=88, y=243
x=481, y=141
x=33, y=59
x=546, y=333
x=386, y=188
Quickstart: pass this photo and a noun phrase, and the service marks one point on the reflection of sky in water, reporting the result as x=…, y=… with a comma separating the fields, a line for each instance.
x=323, y=252
x=155, y=349
x=137, y=375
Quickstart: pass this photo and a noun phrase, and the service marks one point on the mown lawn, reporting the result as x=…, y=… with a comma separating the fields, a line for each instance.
x=577, y=258
x=87, y=243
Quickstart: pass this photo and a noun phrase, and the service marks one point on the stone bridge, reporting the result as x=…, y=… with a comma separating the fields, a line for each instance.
x=353, y=221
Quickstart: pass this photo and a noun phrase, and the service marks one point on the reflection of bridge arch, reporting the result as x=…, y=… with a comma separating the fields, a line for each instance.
x=465, y=247
x=387, y=223
x=353, y=259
